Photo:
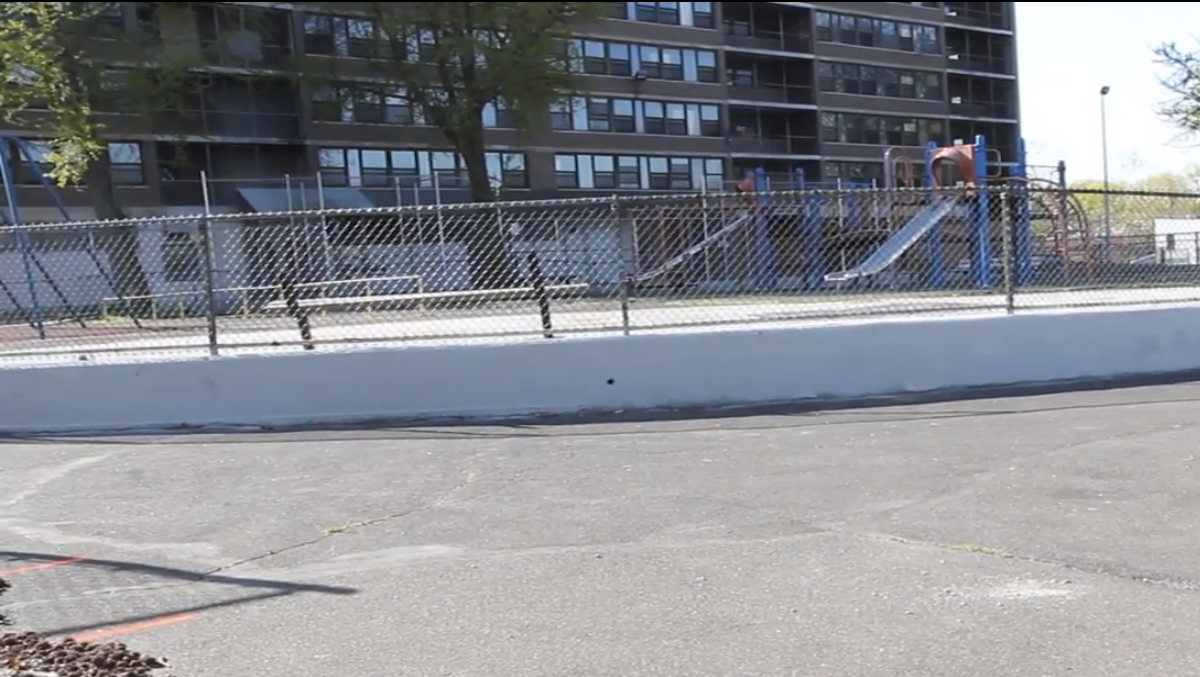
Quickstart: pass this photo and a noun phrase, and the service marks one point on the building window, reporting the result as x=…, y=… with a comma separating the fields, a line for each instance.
x=32, y=164
x=566, y=171
x=126, y=162
x=379, y=107
x=639, y=116
x=670, y=173
x=879, y=33
x=710, y=120
x=562, y=115
x=105, y=18
x=330, y=35
x=666, y=118
x=824, y=27
x=880, y=130
x=605, y=58
x=373, y=167
x=180, y=257
x=327, y=104
x=362, y=103
x=319, y=35
x=633, y=172
x=497, y=116
x=601, y=57
x=694, y=14
x=845, y=78
x=661, y=63
x=611, y=115
x=706, y=66
x=507, y=170
x=657, y=12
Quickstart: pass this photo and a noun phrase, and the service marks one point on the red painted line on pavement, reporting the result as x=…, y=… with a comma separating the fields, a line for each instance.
x=105, y=633
x=38, y=567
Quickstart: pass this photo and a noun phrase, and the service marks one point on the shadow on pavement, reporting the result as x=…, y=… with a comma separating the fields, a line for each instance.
x=257, y=589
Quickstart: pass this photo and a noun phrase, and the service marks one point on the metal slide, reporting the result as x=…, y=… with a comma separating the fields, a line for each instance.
x=901, y=241
x=682, y=257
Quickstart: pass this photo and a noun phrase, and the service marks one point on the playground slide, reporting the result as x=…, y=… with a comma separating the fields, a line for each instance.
x=900, y=242
x=691, y=251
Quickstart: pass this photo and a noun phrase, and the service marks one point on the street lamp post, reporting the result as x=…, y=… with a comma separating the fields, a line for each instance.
x=1104, y=161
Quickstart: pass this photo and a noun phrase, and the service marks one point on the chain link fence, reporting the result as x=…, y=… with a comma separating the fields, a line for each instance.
x=312, y=279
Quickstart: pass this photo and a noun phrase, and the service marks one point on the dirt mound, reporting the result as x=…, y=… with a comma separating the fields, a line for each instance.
x=28, y=654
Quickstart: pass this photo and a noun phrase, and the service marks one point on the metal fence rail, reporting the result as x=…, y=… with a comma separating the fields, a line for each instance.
x=304, y=279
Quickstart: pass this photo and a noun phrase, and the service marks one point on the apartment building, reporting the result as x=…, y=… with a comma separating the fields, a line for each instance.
x=679, y=96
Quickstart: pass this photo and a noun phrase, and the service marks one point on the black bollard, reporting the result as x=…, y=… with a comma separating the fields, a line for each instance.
x=543, y=296
x=291, y=297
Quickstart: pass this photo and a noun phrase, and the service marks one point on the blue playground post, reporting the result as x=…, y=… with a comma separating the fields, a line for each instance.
x=979, y=217
x=22, y=236
x=811, y=242
x=766, y=273
x=1023, y=225
x=937, y=256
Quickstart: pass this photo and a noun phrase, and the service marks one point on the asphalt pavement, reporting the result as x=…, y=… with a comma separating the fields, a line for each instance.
x=1051, y=535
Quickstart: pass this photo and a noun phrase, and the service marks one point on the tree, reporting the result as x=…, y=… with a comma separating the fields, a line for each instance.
x=454, y=60
x=66, y=64
x=1133, y=205
x=1182, y=81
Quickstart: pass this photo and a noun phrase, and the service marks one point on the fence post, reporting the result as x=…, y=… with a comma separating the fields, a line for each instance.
x=326, y=248
x=210, y=286
x=627, y=243
x=1006, y=238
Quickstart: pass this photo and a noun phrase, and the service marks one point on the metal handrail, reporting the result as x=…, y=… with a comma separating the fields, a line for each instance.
x=244, y=293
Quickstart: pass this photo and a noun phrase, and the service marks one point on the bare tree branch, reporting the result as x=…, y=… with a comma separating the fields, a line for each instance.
x=1182, y=82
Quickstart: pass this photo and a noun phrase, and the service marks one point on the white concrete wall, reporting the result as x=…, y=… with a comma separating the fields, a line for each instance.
x=610, y=373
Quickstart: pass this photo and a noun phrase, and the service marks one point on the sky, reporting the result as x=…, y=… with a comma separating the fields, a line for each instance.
x=1067, y=51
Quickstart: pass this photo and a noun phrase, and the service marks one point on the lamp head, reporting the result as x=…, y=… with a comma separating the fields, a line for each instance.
x=1104, y=90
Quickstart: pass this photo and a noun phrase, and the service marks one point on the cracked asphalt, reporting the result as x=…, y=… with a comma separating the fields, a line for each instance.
x=1047, y=535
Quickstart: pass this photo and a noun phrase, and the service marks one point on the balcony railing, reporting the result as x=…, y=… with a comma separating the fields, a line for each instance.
x=980, y=109
x=983, y=64
x=247, y=54
x=242, y=125
x=964, y=17
x=771, y=92
x=758, y=144
x=783, y=42
x=773, y=144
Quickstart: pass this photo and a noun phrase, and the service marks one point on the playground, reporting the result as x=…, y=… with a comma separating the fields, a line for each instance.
x=961, y=218
x=964, y=230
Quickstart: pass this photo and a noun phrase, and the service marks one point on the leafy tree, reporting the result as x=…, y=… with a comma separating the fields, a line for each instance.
x=454, y=60
x=1182, y=82
x=1133, y=205
x=66, y=64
